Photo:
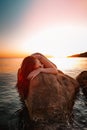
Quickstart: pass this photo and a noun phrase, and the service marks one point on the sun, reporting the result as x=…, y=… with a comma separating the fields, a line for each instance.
x=57, y=41
x=51, y=41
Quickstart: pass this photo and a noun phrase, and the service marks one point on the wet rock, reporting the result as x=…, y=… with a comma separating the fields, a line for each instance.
x=82, y=79
x=51, y=97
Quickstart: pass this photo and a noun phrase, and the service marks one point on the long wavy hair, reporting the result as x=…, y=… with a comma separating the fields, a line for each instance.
x=27, y=66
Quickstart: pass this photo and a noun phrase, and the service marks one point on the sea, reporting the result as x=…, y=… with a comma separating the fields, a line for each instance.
x=10, y=104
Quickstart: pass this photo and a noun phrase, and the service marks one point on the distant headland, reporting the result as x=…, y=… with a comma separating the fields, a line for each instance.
x=79, y=55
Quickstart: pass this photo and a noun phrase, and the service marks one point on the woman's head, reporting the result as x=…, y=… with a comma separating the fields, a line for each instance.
x=38, y=64
x=27, y=66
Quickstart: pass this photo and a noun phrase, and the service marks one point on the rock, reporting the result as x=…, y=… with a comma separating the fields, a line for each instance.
x=82, y=79
x=51, y=97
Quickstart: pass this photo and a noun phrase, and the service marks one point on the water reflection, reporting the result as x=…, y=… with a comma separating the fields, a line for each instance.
x=71, y=66
x=12, y=65
x=8, y=65
x=70, y=63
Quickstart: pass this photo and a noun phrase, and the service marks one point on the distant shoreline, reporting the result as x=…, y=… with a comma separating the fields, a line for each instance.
x=82, y=55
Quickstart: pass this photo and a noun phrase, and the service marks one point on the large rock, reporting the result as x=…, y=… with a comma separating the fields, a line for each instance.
x=51, y=97
x=82, y=79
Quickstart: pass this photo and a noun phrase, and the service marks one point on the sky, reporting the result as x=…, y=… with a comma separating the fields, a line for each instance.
x=52, y=27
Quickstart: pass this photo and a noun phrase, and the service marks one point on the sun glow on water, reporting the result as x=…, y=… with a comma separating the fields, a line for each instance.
x=67, y=63
x=70, y=66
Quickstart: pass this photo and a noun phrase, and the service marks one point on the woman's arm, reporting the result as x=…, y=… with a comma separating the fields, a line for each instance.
x=34, y=73
x=49, y=70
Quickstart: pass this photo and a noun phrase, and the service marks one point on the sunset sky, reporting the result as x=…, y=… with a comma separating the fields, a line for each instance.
x=52, y=27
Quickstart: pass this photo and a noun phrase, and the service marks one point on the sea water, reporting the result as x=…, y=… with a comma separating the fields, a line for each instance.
x=9, y=98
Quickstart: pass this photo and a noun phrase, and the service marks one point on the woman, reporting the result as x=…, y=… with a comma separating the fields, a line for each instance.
x=30, y=68
x=43, y=64
x=47, y=63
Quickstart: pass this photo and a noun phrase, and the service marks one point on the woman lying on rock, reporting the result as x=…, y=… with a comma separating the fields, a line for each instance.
x=48, y=96
x=30, y=68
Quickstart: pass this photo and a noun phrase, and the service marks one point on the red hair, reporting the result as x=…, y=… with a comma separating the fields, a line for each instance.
x=28, y=65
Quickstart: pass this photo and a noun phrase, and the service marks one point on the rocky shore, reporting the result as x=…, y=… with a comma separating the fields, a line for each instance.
x=49, y=105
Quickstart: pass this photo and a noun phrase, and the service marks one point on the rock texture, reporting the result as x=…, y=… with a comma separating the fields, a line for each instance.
x=82, y=79
x=51, y=97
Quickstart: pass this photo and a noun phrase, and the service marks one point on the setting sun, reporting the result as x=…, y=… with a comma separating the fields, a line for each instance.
x=56, y=41
x=53, y=28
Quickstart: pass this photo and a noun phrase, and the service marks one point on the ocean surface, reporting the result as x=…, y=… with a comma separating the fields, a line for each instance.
x=10, y=103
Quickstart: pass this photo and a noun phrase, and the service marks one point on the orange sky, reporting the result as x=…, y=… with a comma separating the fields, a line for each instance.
x=53, y=27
